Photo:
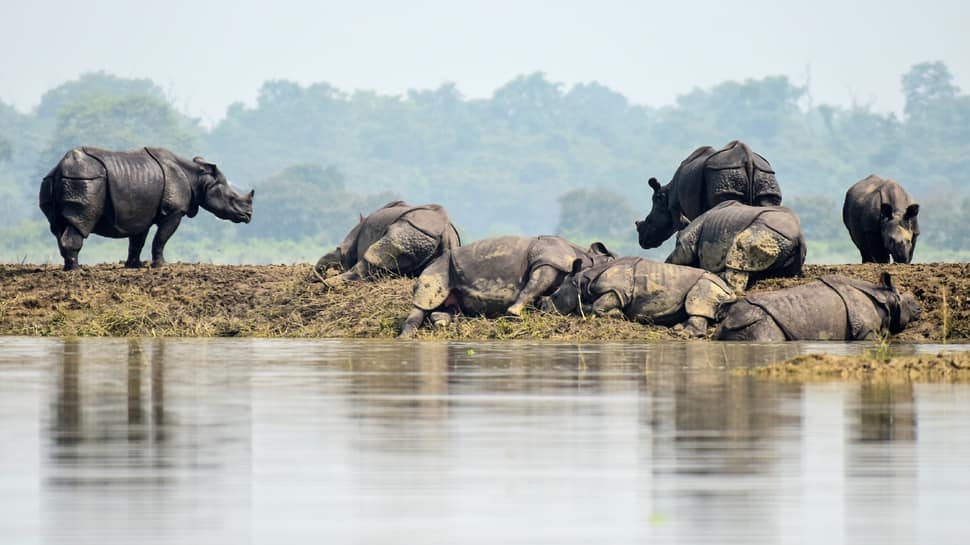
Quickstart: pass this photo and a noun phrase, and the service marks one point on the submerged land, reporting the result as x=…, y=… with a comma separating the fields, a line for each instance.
x=201, y=300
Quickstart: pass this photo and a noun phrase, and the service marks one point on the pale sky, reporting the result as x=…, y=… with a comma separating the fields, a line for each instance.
x=208, y=54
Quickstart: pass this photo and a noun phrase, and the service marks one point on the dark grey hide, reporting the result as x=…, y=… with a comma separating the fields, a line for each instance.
x=121, y=194
x=881, y=219
x=704, y=179
x=645, y=291
x=497, y=276
x=743, y=243
x=397, y=239
x=830, y=309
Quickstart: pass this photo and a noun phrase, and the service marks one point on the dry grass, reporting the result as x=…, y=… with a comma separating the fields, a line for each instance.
x=942, y=367
x=199, y=300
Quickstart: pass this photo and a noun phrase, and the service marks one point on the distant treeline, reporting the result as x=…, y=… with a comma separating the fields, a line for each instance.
x=537, y=157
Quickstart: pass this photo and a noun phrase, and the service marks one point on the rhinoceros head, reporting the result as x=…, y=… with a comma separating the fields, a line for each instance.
x=568, y=297
x=899, y=231
x=344, y=256
x=660, y=222
x=903, y=308
x=220, y=198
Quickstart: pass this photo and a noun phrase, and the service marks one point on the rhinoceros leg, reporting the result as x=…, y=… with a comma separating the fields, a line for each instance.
x=872, y=249
x=747, y=322
x=69, y=243
x=135, y=244
x=608, y=304
x=540, y=281
x=166, y=228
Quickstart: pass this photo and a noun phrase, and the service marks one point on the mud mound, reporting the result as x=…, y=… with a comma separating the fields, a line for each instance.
x=942, y=367
x=276, y=301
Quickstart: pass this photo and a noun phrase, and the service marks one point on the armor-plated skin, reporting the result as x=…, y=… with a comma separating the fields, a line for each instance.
x=830, y=309
x=881, y=219
x=645, y=291
x=397, y=239
x=497, y=276
x=706, y=178
x=743, y=243
x=121, y=194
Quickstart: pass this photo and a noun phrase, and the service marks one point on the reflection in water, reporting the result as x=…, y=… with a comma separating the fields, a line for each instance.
x=234, y=441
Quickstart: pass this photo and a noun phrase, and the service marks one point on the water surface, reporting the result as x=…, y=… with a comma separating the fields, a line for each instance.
x=256, y=441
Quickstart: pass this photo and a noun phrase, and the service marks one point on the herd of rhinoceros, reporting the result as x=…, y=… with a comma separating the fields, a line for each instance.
x=724, y=204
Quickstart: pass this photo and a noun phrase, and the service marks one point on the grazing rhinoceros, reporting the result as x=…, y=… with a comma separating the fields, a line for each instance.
x=121, y=194
x=496, y=276
x=829, y=309
x=704, y=179
x=743, y=243
x=881, y=218
x=397, y=238
x=644, y=291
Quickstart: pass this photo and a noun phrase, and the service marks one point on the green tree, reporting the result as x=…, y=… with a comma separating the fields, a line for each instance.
x=122, y=123
x=927, y=84
x=597, y=214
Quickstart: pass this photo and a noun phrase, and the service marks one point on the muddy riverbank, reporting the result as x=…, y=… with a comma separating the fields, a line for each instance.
x=200, y=300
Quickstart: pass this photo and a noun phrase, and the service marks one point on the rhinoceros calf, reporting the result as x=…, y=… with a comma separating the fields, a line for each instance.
x=743, y=243
x=397, y=238
x=497, y=276
x=881, y=219
x=832, y=308
x=704, y=179
x=645, y=291
x=121, y=194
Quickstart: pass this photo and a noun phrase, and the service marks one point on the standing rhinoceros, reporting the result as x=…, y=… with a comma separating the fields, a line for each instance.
x=704, y=179
x=881, y=218
x=121, y=194
x=829, y=309
x=645, y=291
x=397, y=238
x=743, y=243
x=495, y=276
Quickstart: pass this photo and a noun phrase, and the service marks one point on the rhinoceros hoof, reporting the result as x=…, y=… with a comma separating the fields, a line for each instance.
x=133, y=264
x=158, y=264
x=516, y=310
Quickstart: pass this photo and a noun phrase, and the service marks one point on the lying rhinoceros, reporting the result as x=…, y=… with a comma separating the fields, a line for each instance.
x=121, y=194
x=829, y=309
x=397, y=238
x=881, y=219
x=743, y=243
x=704, y=179
x=644, y=291
x=497, y=276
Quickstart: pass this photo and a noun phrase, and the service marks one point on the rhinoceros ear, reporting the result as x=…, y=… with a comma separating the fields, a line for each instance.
x=911, y=211
x=654, y=184
x=577, y=266
x=887, y=281
x=886, y=210
x=599, y=248
x=209, y=168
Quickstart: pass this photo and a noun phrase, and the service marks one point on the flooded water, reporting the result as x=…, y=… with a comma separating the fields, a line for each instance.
x=260, y=441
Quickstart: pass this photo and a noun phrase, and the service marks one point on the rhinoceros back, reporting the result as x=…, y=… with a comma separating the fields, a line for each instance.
x=490, y=273
x=811, y=311
x=737, y=173
x=136, y=182
x=658, y=291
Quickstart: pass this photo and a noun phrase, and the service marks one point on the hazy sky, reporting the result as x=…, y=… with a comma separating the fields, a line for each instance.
x=208, y=54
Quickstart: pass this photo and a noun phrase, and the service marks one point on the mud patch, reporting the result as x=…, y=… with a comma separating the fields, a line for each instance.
x=202, y=300
x=941, y=367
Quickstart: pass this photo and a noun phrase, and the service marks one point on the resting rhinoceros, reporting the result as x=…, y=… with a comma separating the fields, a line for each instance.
x=644, y=291
x=121, y=194
x=496, y=276
x=881, y=218
x=704, y=179
x=742, y=243
x=397, y=238
x=829, y=309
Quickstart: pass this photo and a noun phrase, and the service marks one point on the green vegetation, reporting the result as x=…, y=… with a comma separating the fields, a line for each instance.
x=537, y=157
